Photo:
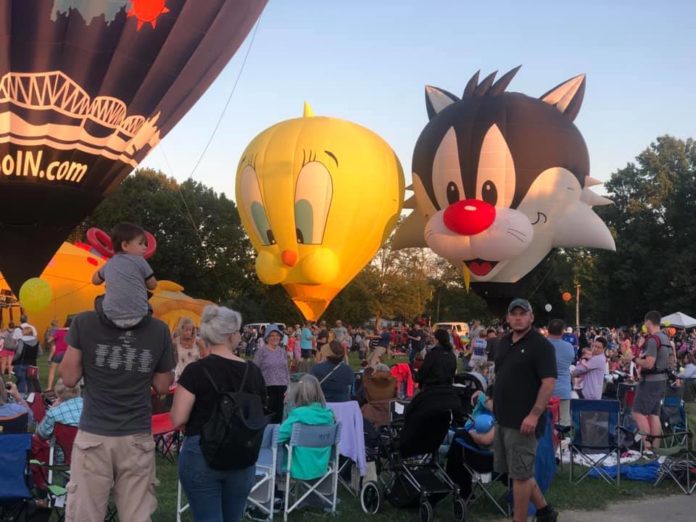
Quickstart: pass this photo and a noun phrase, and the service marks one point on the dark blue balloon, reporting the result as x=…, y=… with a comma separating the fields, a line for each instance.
x=87, y=89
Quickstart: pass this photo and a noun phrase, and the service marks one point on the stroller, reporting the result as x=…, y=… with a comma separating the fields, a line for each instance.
x=406, y=457
x=465, y=385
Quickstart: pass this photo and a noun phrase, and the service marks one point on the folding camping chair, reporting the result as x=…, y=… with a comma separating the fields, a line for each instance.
x=167, y=438
x=16, y=424
x=679, y=462
x=63, y=439
x=180, y=506
x=483, y=478
x=262, y=494
x=15, y=476
x=674, y=420
x=37, y=403
x=676, y=445
x=352, y=459
x=595, y=430
x=306, y=436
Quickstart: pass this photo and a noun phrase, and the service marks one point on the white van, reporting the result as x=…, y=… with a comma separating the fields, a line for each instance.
x=461, y=329
x=258, y=326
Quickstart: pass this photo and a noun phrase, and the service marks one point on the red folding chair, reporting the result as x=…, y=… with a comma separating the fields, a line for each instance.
x=38, y=407
x=167, y=438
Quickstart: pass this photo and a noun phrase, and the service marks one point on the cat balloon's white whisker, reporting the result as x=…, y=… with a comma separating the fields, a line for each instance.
x=517, y=232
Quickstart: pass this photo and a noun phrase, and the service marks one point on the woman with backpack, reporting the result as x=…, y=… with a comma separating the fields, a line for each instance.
x=215, y=494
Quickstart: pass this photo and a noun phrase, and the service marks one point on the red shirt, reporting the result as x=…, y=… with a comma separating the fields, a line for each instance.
x=59, y=338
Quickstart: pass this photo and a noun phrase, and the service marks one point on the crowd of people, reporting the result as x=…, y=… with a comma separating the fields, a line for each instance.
x=111, y=359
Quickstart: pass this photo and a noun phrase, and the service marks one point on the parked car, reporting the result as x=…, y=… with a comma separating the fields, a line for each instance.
x=461, y=329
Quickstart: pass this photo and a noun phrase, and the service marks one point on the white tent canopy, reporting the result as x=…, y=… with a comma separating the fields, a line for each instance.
x=679, y=320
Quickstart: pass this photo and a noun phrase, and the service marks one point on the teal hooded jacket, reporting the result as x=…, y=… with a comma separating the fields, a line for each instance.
x=307, y=463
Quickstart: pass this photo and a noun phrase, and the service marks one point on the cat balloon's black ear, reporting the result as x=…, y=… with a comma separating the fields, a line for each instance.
x=437, y=99
x=567, y=97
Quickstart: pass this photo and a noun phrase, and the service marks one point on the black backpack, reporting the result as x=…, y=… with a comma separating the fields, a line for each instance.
x=231, y=438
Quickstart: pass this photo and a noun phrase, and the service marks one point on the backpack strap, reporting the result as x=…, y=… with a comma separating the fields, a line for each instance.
x=330, y=373
x=210, y=378
x=212, y=382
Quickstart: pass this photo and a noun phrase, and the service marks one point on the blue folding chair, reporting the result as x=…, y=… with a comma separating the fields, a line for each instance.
x=483, y=478
x=306, y=436
x=595, y=431
x=15, y=476
x=674, y=419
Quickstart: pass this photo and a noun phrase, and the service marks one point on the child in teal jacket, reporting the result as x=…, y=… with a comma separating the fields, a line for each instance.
x=309, y=408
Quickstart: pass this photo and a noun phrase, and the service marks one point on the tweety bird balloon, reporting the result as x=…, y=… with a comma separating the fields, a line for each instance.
x=317, y=196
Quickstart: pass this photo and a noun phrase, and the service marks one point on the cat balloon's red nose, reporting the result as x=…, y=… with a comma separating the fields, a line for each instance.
x=469, y=216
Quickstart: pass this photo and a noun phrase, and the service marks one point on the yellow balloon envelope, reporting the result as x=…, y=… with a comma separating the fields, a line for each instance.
x=318, y=196
x=35, y=294
x=69, y=277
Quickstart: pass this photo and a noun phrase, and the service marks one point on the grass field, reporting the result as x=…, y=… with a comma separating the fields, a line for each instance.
x=589, y=494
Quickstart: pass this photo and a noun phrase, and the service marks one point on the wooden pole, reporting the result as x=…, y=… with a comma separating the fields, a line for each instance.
x=577, y=307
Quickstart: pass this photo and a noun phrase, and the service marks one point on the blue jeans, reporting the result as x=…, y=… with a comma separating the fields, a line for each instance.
x=214, y=496
x=20, y=371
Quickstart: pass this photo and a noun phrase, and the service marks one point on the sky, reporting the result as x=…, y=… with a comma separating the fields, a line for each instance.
x=368, y=61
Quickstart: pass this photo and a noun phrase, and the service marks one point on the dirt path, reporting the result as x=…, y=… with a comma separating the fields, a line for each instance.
x=674, y=508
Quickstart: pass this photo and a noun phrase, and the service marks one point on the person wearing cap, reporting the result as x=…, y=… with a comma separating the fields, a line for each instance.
x=335, y=376
x=525, y=367
x=273, y=363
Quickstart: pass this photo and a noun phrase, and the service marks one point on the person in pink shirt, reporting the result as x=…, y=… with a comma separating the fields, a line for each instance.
x=58, y=348
x=593, y=370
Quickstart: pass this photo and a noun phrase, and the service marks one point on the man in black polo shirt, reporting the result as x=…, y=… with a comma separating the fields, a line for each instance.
x=525, y=376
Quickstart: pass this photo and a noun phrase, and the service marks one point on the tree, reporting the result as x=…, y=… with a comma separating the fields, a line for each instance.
x=200, y=240
x=652, y=219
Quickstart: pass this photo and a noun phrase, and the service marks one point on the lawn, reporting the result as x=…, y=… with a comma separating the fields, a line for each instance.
x=589, y=494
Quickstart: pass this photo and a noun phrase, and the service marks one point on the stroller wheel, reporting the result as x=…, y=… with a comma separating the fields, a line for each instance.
x=371, y=498
x=425, y=512
x=459, y=509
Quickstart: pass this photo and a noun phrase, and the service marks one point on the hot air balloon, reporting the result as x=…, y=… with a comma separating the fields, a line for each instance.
x=86, y=90
x=69, y=276
x=500, y=179
x=317, y=196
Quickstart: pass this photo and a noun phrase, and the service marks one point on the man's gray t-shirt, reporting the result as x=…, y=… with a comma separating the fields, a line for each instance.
x=661, y=356
x=118, y=366
x=126, y=291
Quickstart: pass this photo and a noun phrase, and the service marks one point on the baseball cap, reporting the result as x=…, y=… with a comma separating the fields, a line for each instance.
x=519, y=303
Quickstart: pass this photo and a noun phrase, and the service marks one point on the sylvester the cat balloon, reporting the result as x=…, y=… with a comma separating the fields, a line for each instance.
x=317, y=196
x=501, y=178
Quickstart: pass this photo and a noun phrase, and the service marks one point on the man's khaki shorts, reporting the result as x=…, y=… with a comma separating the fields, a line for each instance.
x=514, y=453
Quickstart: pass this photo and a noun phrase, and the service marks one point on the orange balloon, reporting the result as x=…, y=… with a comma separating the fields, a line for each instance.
x=566, y=296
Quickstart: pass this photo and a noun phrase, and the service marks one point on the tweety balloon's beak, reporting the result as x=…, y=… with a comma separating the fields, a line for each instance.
x=289, y=257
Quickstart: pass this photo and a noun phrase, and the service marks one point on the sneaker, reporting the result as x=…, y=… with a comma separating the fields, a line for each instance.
x=549, y=515
x=278, y=504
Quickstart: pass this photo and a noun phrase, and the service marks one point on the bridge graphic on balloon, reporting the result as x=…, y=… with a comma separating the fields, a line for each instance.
x=50, y=108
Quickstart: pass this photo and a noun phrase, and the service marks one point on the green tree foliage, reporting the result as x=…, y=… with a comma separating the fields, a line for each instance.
x=451, y=301
x=395, y=285
x=652, y=219
x=200, y=241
